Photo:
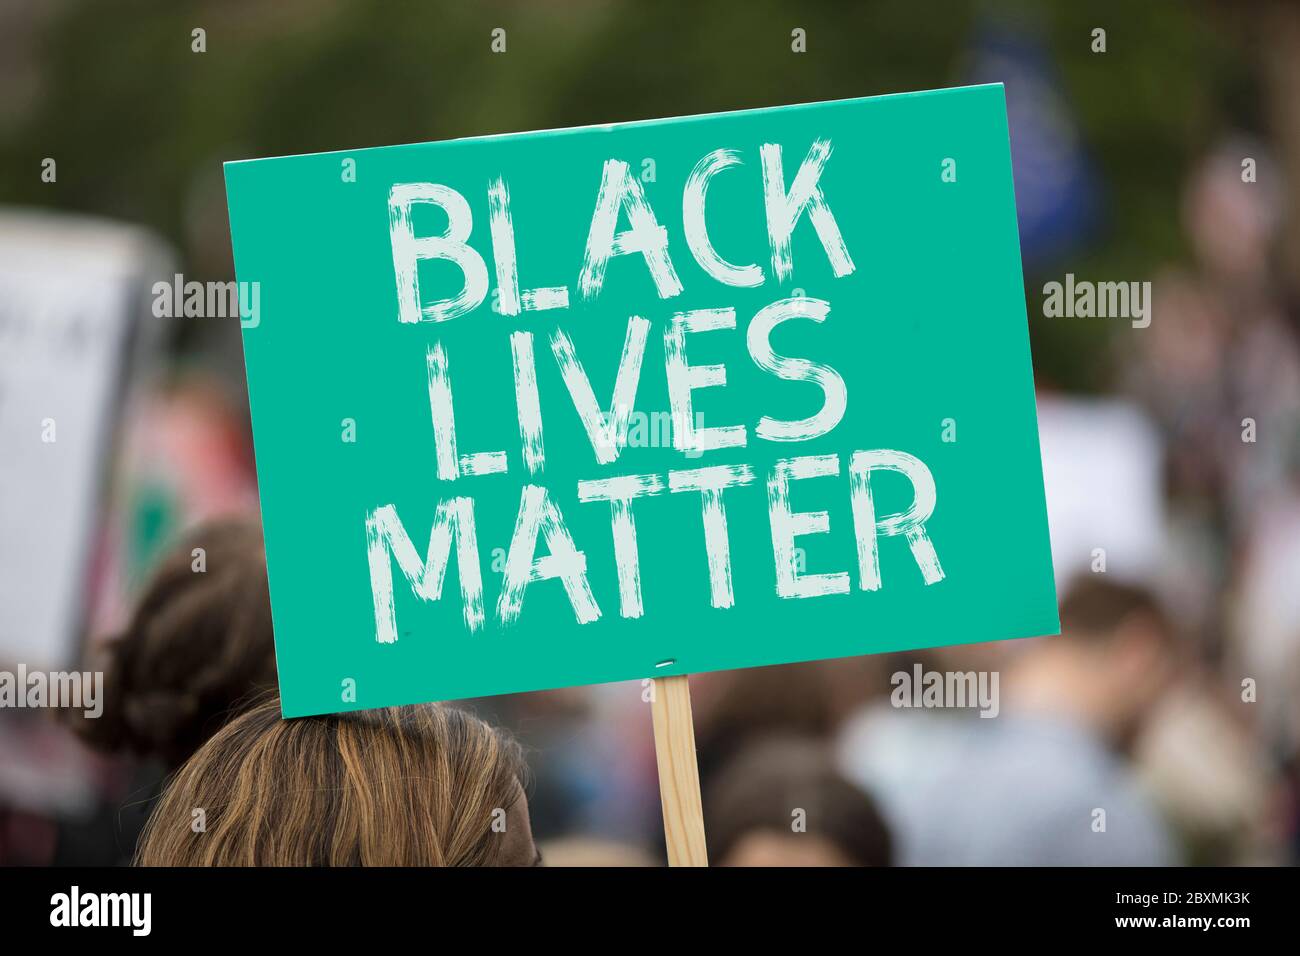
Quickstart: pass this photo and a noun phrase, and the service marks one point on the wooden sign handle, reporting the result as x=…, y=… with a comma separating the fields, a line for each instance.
x=679, y=774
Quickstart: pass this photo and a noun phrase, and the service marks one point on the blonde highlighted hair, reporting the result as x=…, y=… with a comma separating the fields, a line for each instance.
x=403, y=786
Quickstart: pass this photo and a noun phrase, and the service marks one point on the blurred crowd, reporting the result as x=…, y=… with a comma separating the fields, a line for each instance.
x=1161, y=727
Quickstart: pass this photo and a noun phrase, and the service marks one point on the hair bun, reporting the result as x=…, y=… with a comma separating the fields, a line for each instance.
x=196, y=646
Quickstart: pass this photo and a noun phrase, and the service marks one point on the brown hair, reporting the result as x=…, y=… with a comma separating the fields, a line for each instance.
x=760, y=787
x=198, y=646
x=403, y=786
x=1095, y=608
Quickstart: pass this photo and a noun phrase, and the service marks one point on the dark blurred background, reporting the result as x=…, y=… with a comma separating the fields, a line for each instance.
x=1171, y=155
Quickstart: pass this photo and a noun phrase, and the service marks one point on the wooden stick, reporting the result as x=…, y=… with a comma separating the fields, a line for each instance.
x=679, y=774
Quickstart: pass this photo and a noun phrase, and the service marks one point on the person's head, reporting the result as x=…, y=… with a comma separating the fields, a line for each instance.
x=198, y=646
x=420, y=785
x=781, y=802
x=1115, y=656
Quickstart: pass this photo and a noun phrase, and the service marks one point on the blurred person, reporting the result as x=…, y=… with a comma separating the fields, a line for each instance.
x=199, y=641
x=1219, y=370
x=781, y=802
x=1108, y=669
x=1219, y=788
x=1048, y=782
x=810, y=699
x=735, y=710
x=197, y=648
x=419, y=785
x=1265, y=651
x=1267, y=615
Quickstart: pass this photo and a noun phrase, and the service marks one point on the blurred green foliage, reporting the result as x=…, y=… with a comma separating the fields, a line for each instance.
x=140, y=124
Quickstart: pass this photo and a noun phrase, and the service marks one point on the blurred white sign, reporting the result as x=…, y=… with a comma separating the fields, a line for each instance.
x=1102, y=473
x=71, y=291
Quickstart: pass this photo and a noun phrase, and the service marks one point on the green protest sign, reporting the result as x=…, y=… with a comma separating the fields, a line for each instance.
x=641, y=400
